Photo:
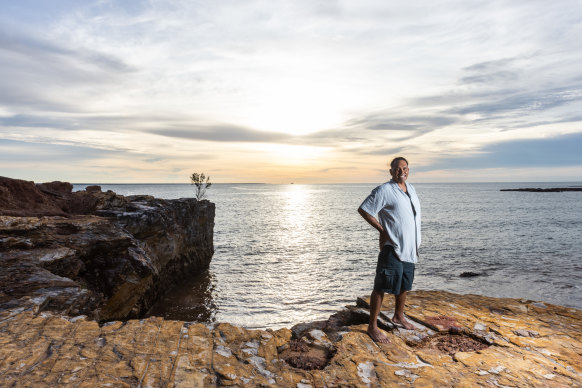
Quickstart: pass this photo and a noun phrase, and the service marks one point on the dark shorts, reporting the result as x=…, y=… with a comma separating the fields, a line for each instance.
x=392, y=275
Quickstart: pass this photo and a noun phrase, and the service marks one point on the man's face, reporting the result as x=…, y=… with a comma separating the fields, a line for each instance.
x=400, y=172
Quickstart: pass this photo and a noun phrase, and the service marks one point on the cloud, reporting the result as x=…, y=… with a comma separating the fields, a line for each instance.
x=39, y=54
x=565, y=120
x=221, y=133
x=559, y=151
x=336, y=169
x=498, y=71
x=517, y=103
x=380, y=151
x=492, y=97
x=39, y=74
x=492, y=77
x=359, y=80
x=491, y=66
x=70, y=122
x=19, y=151
x=392, y=120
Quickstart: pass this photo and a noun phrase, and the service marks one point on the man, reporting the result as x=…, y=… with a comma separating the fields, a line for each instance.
x=398, y=210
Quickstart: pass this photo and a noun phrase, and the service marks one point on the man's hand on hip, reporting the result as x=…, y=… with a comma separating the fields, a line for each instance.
x=383, y=239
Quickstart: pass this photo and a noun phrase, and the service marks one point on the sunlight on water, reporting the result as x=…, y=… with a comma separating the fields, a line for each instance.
x=288, y=251
x=295, y=213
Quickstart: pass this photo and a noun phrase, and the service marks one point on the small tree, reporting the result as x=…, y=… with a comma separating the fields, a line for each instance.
x=202, y=183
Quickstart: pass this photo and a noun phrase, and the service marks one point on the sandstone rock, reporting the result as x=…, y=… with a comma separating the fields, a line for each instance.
x=48, y=349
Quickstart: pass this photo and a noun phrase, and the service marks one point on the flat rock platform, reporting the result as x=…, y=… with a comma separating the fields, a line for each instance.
x=459, y=341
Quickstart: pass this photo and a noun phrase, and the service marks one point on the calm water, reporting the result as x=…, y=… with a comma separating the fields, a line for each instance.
x=286, y=254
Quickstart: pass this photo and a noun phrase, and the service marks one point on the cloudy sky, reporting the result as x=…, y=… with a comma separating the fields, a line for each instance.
x=285, y=91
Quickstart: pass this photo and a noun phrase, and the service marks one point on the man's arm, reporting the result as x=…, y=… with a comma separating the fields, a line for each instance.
x=370, y=219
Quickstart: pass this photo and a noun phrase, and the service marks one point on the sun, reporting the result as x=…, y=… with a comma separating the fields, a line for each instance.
x=294, y=107
x=290, y=155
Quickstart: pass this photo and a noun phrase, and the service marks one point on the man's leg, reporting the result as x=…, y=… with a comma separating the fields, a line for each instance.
x=399, y=311
x=375, y=305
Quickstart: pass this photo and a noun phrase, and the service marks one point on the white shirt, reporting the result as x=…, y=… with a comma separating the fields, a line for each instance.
x=395, y=211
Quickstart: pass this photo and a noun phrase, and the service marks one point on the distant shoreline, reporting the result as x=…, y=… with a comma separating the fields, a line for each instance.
x=333, y=184
x=550, y=190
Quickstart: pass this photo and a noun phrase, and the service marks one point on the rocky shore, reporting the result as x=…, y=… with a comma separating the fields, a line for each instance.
x=77, y=268
x=460, y=341
x=96, y=253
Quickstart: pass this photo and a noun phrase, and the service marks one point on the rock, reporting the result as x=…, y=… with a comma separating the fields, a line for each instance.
x=93, y=189
x=526, y=333
x=97, y=254
x=469, y=274
x=302, y=355
x=56, y=189
x=550, y=190
x=24, y=198
x=47, y=350
x=454, y=343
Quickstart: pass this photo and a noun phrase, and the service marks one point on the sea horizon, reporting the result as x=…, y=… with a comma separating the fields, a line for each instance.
x=332, y=183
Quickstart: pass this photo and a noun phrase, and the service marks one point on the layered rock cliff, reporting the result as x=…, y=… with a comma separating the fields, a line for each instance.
x=94, y=253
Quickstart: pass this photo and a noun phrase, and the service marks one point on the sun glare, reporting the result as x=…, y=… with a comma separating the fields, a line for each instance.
x=295, y=107
x=297, y=212
x=290, y=155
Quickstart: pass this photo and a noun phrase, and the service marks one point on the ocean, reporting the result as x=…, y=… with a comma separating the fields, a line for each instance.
x=286, y=254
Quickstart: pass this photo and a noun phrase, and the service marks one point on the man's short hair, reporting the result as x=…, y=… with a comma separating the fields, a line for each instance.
x=396, y=160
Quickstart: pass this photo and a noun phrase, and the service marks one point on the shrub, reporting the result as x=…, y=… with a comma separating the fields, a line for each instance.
x=202, y=183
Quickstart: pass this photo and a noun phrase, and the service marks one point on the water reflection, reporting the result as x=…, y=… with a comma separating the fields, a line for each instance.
x=295, y=213
x=191, y=301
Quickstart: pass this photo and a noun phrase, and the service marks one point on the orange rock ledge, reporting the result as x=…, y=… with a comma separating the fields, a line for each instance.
x=460, y=341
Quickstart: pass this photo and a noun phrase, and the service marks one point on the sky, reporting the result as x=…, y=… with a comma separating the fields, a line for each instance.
x=279, y=91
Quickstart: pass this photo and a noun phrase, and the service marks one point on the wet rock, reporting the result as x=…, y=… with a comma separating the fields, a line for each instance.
x=469, y=274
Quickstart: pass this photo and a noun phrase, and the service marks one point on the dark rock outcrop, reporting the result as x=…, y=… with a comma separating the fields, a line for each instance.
x=550, y=190
x=24, y=198
x=98, y=254
x=469, y=274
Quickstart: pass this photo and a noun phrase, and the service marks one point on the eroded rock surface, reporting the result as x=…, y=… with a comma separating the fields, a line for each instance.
x=51, y=350
x=96, y=253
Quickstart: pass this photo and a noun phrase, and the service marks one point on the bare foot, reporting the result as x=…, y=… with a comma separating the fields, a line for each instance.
x=402, y=322
x=377, y=336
